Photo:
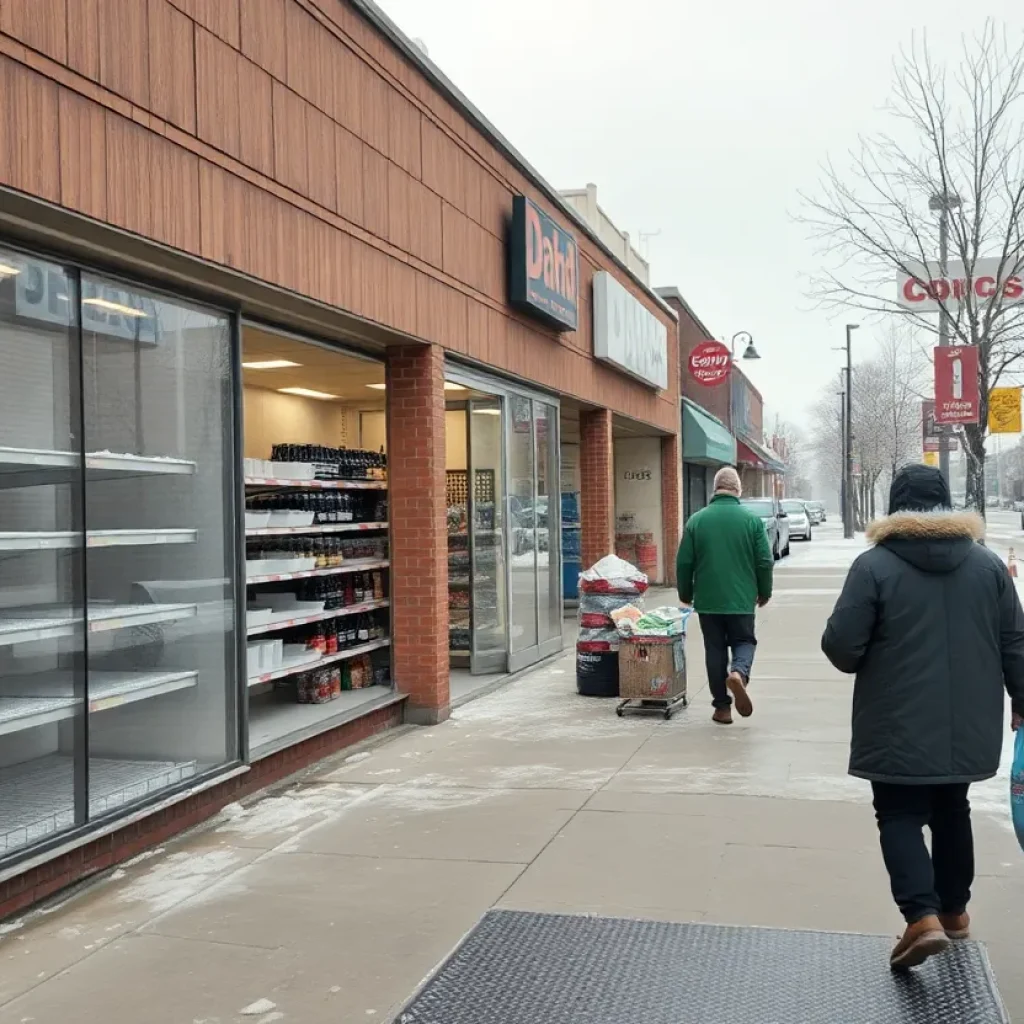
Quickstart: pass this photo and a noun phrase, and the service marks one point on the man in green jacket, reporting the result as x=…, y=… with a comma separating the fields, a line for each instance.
x=724, y=570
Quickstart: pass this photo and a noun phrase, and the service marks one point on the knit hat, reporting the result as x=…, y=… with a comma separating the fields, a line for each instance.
x=918, y=488
x=727, y=481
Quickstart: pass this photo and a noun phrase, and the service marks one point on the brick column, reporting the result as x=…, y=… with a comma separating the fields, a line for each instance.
x=597, y=487
x=671, y=512
x=419, y=538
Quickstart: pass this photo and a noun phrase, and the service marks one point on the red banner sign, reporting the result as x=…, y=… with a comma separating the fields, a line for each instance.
x=710, y=363
x=957, y=399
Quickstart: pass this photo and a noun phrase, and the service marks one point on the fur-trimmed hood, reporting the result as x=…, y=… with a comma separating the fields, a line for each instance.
x=942, y=525
x=931, y=541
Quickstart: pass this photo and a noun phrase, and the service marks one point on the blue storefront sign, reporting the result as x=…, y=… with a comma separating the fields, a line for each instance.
x=543, y=266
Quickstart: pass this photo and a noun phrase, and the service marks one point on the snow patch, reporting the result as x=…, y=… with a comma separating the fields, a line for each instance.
x=257, y=1009
x=356, y=758
x=7, y=927
x=288, y=811
x=182, y=876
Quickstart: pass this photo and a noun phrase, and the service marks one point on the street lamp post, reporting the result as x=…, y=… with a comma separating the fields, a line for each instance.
x=749, y=352
x=942, y=203
x=848, y=454
x=842, y=455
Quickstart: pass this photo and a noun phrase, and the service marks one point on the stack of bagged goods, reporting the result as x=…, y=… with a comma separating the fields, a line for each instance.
x=606, y=588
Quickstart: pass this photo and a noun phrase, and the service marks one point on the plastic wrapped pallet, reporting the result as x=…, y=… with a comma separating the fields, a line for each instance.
x=607, y=587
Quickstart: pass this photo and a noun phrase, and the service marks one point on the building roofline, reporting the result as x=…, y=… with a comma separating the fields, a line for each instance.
x=672, y=292
x=380, y=21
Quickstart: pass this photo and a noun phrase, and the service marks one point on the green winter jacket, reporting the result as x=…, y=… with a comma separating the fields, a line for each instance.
x=724, y=562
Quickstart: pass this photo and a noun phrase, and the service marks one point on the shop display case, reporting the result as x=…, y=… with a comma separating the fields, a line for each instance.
x=115, y=499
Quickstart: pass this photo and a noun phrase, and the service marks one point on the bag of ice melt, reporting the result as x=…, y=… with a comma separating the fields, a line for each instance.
x=1017, y=786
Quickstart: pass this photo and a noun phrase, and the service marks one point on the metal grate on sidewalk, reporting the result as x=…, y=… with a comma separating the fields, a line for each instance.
x=527, y=968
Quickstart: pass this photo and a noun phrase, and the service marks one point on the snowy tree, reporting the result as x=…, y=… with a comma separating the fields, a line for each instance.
x=952, y=165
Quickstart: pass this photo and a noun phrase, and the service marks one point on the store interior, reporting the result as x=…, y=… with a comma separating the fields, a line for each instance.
x=317, y=560
x=117, y=637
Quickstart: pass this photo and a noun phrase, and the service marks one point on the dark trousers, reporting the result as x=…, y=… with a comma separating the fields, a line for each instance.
x=722, y=634
x=924, y=884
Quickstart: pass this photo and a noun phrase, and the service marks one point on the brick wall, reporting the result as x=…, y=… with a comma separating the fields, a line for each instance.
x=691, y=333
x=290, y=140
x=37, y=883
x=597, y=486
x=671, y=513
x=419, y=536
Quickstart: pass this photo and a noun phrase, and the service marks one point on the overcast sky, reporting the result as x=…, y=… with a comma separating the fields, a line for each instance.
x=700, y=121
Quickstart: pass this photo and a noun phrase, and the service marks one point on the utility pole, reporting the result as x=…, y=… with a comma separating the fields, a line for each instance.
x=848, y=447
x=943, y=204
x=842, y=455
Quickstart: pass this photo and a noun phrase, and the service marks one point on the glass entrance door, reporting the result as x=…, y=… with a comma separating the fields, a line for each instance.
x=486, y=528
x=535, y=537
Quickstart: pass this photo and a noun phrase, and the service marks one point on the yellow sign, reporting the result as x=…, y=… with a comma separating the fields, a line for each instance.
x=931, y=459
x=1004, y=411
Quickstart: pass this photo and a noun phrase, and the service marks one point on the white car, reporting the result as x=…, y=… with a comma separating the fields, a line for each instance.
x=799, y=519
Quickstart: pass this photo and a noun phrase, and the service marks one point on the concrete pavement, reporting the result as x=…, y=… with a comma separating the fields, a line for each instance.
x=331, y=899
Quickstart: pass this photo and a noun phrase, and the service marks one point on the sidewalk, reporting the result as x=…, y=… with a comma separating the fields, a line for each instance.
x=331, y=900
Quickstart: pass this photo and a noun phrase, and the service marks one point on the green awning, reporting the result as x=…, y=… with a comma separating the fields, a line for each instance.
x=706, y=439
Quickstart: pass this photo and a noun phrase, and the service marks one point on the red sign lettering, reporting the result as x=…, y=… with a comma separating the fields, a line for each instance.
x=957, y=398
x=710, y=363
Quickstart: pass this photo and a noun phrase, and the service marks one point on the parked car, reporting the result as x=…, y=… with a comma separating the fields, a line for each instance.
x=799, y=516
x=816, y=510
x=776, y=522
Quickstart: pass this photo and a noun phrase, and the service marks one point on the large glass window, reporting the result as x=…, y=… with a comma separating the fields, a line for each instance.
x=548, y=523
x=42, y=614
x=116, y=554
x=157, y=396
x=522, y=520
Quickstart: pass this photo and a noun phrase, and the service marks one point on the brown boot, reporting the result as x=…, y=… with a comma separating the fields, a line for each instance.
x=956, y=926
x=921, y=940
x=723, y=716
x=740, y=697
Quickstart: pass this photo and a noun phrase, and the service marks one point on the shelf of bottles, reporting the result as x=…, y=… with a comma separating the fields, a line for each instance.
x=317, y=566
x=472, y=576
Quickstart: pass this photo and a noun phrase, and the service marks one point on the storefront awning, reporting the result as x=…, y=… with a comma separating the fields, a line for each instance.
x=750, y=453
x=706, y=440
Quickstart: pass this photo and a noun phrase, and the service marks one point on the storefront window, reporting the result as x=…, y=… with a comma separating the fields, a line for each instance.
x=160, y=571
x=549, y=521
x=42, y=614
x=523, y=516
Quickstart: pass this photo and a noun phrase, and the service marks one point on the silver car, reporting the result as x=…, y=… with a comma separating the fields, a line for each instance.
x=776, y=523
x=799, y=519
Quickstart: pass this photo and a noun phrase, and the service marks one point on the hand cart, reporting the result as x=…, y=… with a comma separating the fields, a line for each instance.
x=652, y=675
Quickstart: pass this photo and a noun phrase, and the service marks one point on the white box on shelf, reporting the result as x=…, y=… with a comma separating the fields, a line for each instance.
x=280, y=517
x=277, y=659
x=281, y=602
x=301, y=518
x=256, y=520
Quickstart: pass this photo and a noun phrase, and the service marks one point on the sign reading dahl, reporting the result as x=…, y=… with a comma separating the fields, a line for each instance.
x=543, y=266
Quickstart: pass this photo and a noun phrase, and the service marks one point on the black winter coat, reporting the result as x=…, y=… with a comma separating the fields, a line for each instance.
x=931, y=624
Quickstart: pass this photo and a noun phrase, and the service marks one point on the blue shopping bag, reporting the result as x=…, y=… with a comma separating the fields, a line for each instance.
x=1017, y=786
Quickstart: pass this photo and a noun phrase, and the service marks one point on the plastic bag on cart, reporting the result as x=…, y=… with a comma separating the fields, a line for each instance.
x=664, y=621
x=612, y=575
x=605, y=639
x=1017, y=786
x=596, y=611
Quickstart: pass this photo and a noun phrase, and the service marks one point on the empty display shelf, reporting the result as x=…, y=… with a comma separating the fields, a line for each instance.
x=53, y=540
x=302, y=620
x=37, y=797
x=25, y=467
x=31, y=625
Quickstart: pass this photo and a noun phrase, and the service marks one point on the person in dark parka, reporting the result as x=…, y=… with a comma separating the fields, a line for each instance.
x=930, y=623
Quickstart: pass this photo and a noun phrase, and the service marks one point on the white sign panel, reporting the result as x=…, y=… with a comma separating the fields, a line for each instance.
x=926, y=286
x=627, y=334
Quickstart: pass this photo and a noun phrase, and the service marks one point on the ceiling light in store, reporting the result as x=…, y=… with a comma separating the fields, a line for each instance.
x=306, y=393
x=270, y=364
x=114, y=307
x=6, y=270
x=487, y=412
x=377, y=387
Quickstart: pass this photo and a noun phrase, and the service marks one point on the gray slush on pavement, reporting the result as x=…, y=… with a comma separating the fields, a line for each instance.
x=528, y=968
